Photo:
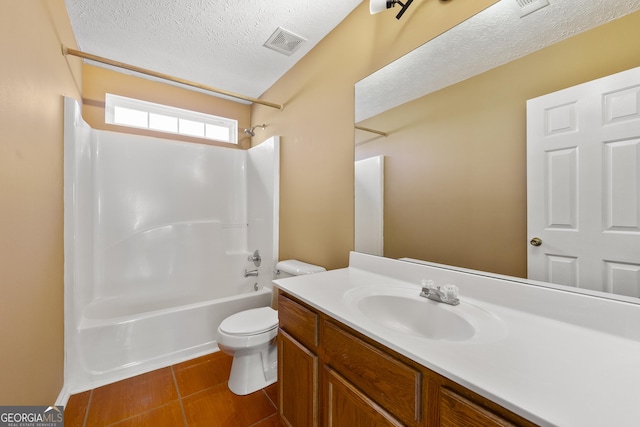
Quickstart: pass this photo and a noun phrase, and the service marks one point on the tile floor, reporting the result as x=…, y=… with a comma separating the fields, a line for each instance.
x=193, y=393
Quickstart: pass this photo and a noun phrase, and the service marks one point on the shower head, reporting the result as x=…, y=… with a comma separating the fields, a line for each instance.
x=251, y=132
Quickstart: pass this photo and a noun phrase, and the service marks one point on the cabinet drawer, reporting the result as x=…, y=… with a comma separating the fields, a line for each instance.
x=387, y=381
x=298, y=321
x=460, y=407
x=457, y=411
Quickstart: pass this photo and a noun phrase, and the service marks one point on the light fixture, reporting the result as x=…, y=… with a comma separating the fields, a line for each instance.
x=377, y=6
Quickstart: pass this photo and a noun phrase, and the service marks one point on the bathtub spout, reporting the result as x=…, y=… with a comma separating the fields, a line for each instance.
x=250, y=273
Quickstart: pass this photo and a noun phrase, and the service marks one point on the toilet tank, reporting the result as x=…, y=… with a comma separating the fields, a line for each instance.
x=293, y=267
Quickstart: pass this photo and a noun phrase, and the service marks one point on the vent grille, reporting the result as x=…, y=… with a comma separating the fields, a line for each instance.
x=284, y=41
x=526, y=7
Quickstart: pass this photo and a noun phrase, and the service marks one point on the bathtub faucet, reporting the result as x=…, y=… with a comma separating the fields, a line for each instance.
x=250, y=273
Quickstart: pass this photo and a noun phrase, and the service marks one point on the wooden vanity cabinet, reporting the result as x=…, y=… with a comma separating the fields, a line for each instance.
x=298, y=374
x=333, y=376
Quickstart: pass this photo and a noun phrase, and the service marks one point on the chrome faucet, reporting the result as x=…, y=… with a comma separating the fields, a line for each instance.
x=250, y=273
x=447, y=294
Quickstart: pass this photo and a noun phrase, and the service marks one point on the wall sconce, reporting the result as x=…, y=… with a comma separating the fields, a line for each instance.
x=377, y=6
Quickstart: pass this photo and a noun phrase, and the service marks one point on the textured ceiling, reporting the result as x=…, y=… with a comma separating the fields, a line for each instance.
x=492, y=38
x=212, y=42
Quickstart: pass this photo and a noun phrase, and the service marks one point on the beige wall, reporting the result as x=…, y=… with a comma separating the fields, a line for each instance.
x=34, y=77
x=316, y=125
x=456, y=159
x=97, y=81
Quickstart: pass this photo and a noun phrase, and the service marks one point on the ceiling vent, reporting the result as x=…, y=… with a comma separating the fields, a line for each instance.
x=525, y=7
x=284, y=41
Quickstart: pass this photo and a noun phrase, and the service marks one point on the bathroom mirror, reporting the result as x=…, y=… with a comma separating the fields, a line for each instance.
x=455, y=113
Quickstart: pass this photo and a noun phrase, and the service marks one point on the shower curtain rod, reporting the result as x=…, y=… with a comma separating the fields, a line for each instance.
x=379, y=132
x=80, y=54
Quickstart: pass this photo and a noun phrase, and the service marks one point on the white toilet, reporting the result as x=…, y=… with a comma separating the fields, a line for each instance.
x=250, y=337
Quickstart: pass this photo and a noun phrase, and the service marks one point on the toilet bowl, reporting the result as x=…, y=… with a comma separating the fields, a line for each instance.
x=250, y=337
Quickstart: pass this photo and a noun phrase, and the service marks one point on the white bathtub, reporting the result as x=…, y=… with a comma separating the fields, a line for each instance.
x=119, y=338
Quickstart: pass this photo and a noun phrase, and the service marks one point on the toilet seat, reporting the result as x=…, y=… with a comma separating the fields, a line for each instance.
x=250, y=322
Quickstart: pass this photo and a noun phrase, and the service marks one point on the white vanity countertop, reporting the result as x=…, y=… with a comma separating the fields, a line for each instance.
x=554, y=361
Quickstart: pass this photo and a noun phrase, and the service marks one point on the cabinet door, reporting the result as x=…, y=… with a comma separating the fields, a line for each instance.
x=346, y=406
x=297, y=382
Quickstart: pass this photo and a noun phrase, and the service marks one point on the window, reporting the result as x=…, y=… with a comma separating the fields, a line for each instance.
x=163, y=118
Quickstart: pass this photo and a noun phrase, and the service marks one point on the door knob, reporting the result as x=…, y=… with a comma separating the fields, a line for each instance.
x=536, y=241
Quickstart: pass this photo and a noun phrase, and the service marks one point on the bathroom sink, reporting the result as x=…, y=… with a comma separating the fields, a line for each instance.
x=403, y=311
x=416, y=317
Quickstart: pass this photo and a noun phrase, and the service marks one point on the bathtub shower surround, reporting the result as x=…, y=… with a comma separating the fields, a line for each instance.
x=157, y=237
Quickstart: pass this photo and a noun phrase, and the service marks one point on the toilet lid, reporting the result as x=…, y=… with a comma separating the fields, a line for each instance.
x=250, y=322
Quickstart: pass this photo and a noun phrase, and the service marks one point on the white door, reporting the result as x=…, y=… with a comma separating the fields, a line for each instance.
x=583, y=185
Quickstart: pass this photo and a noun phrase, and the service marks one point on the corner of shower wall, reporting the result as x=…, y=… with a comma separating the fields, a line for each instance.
x=79, y=143
x=263, y=179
